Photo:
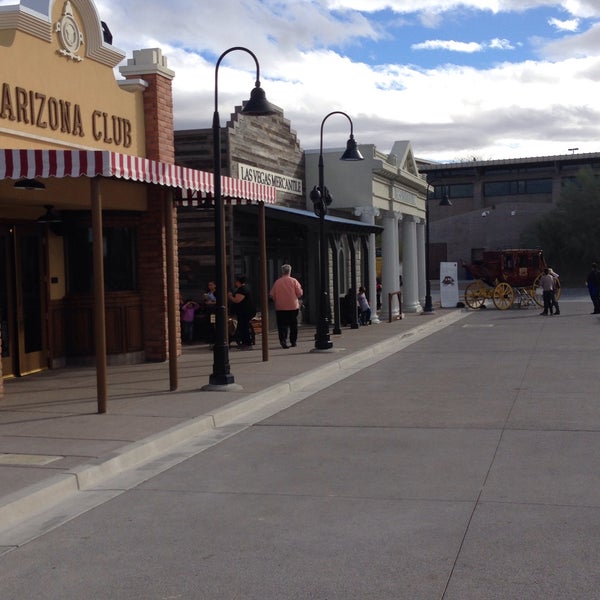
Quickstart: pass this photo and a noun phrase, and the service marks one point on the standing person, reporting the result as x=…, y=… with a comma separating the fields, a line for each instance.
x=547, y=283
x=593, y=285
x=210, y=298
x=364, y=307
x=555, y=288
x=286, y=293
x=188, y=314
x=244, y=310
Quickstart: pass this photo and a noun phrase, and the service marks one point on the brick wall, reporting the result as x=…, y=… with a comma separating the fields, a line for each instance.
x=152, y=259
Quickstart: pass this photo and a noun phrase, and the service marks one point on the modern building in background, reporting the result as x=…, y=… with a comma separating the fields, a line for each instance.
x=494, y=201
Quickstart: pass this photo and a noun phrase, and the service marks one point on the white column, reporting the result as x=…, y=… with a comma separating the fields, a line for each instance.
x=390, y=270
x=410, y=278
x=421, y=267
x=367, y=215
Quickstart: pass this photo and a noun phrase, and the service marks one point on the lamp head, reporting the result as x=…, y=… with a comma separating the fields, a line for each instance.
x=29, y=185
x=258, y=104
x=351, y=152
x=51, y=216
x=445, y=201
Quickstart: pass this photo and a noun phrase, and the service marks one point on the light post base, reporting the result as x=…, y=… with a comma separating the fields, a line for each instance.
x=323, y=345
x=428, y=308
x=225, y=387
x=326, y=350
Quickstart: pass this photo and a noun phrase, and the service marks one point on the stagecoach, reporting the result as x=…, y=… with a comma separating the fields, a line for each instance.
x=507, y=277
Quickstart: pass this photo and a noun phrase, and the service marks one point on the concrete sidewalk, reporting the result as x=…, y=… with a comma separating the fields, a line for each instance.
x=53, y=444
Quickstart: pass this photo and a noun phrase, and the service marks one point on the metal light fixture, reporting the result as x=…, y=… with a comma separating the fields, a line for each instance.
x=50, y=217
x=321, y=199
x=445, y=201
x=30, y=185
x=221, y=378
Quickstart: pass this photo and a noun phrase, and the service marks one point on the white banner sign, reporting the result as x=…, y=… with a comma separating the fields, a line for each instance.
x=448, y=284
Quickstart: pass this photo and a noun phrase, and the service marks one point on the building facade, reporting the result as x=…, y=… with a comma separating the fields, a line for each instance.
x=88, y=230
x=387, y=191
x=267, y=151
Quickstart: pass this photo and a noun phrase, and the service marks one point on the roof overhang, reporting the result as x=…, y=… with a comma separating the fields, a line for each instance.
x=310, y=220
x=43, y=164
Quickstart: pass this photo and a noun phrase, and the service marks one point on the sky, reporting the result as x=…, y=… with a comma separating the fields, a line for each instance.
x=459, y=79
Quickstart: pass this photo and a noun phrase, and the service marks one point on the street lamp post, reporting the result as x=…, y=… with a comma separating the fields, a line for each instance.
x=322, y=199
x=445, y=201
x=221, y=377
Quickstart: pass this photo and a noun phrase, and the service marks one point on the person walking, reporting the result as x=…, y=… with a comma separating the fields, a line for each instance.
x=593, y=285
x=286, y=293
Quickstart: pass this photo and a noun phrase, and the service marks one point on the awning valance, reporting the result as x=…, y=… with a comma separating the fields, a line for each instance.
x=32, y=164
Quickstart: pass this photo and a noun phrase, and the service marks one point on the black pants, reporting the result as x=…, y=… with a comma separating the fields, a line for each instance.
x=287, y=320
x=243, y=326
x=549, y=302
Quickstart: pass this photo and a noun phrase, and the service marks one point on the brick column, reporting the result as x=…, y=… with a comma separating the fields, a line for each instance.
x=151, y=66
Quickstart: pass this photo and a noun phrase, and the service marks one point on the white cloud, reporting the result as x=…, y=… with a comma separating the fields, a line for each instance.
x=448, y=45
x=576, y=8
x=533, y=108
x=569, y=25
x=501, y=44
x=506, y=110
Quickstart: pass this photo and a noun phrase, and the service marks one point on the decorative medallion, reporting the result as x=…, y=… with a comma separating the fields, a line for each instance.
x=69, y=36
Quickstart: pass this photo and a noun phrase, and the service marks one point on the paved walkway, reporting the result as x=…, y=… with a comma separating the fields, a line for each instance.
x=470, y=473
x=53, y=444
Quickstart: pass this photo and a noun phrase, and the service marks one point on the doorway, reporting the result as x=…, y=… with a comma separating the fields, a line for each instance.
x=22, y=300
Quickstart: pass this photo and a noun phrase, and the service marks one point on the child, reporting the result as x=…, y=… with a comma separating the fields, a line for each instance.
x=364, y=308
x=188, y=314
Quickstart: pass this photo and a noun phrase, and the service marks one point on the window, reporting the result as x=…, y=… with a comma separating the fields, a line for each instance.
x=454, y=190
x=517, y=187
x=120, y=255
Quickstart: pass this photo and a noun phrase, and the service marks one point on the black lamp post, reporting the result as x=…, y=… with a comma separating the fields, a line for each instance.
x=445, y=201
x=322, y=199
x=257, y=105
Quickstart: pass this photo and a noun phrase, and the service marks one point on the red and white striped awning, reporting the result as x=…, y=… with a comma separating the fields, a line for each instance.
x=194, y=185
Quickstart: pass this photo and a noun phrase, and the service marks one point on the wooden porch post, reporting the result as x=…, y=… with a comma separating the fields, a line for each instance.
x=171, y=293
x=264, y=304
x=99, y=304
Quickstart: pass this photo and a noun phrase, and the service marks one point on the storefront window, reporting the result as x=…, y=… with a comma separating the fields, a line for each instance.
x=120, y=251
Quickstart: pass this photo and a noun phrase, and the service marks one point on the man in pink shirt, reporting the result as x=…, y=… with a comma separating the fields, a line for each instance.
x=286, y=292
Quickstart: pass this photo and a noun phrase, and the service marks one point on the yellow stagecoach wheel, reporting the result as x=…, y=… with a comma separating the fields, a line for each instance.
x=537, y=292
x=475, y=295
x=504, y=296
x=556, y=290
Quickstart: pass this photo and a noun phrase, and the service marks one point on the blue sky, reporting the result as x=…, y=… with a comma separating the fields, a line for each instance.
x=467, y=37
x=459, y=79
